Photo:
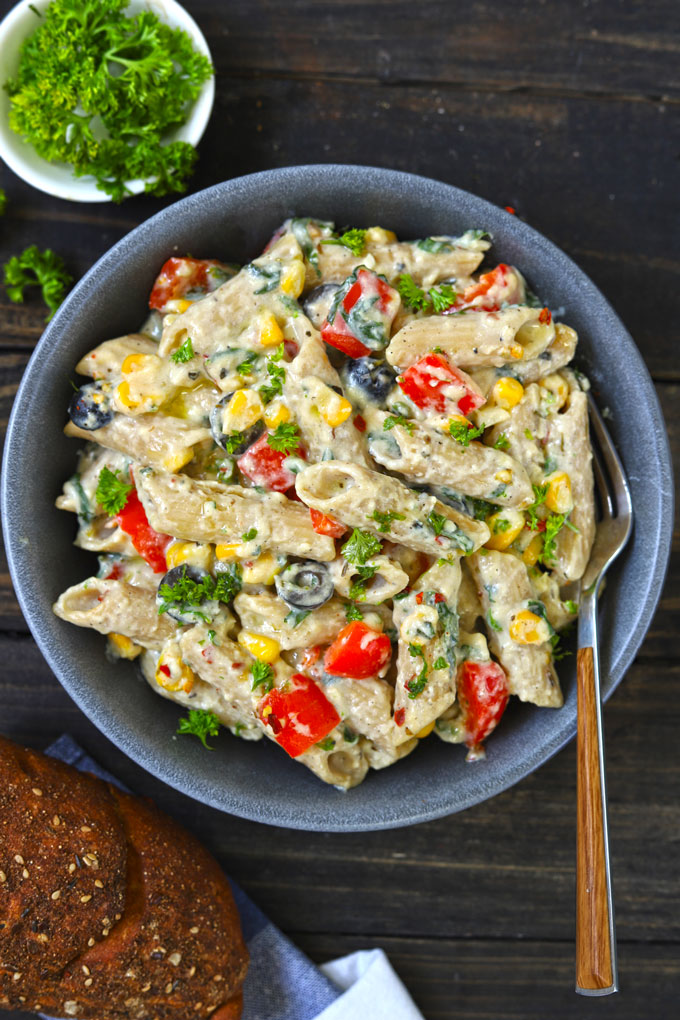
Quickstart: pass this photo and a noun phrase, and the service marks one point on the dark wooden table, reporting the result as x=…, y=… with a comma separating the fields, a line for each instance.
x=567, y=112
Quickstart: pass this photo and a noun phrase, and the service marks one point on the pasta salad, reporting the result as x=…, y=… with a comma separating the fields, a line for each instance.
x=339, y=495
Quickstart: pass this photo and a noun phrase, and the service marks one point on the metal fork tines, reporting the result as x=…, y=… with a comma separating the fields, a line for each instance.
x=596, y=969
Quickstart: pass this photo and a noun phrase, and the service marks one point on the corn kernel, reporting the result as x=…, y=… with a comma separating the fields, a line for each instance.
x=181, y=305
x=378, y=235
x=293, y=279
x=505, y=526
x=262, y=570
x=227, y=550
x=270, y=331
x=533, y=551
x=124, y=647
x=558, y=387
x=275, y=414
x=559, y=498
x=333, y=408
x=517, y=352
x=175, y=461
x=123, y=396
x=264, y=649
x=242, y=411
x=135, y=363
x=174, y=675
x=426, y=730
x=195, y=553
x=504, y=476
x=508, y=392
x=527, y=628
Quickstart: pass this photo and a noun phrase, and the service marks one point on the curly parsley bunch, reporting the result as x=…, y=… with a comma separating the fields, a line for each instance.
x=99, y=90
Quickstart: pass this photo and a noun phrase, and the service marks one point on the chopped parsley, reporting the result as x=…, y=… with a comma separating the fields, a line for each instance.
x=277, y=376
x=112, y=491
x=437, y=522
x=553, y=525
x=232, y=440
x=528, y=434
x=285, y=437
x=187, y=592
x=247, y=366
x=571, y=606
x=200, y=723
x=184, y=353
x=360, y=547
x=352, y=612
x=327, y=744
x=354, y=239
x=263, y=676
x=463, y=432
x=437, y=298
x=491, y=620
x=417, y=686
x=434, y=245
x=397, y=419
x=349, y=736
x=540, y=493
x=502, y=443
x=270, y=275
x=550, y=465
x=384, y=519
x=249, y=535
x=357, y=589
x=440, y=663
x=211, y=637
x=500, y=525
x=295, y=617
x=442, y=297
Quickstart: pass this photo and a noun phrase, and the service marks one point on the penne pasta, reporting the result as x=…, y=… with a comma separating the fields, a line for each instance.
x=116, y=607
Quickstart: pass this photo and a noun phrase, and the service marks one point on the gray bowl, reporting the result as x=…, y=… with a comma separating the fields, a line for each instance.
x=257, y=781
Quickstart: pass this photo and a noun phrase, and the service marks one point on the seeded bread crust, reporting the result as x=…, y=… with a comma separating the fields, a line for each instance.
x=177, y=949
x=63, y=853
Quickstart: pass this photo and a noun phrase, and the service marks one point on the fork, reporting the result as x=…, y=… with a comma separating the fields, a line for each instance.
x=596, y=969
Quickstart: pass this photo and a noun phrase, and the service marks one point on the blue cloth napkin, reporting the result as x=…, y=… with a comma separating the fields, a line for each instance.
x=282, y=983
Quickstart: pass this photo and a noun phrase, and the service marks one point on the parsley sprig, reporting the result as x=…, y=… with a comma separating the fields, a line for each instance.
x=35, y=268
x=184, y=353
x=285, y=437
x=263, y=676
x=277, y=376
x=200, y=723
x=360, y=547
x=188, y=592
x=540, y=493
x=354, y=239
x=384, y=519
x=112, y=491
x=417, y=685
x=397, y=419
x=463, y=432
x=437, y=298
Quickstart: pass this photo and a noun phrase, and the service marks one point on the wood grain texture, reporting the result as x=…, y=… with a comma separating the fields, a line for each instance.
x=568, y=113
x=594, y=951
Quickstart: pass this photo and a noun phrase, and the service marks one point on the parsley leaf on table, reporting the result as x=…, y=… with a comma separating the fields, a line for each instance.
x=35, y=268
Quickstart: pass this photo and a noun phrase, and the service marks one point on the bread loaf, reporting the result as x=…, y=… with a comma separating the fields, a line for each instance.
x=109, y=910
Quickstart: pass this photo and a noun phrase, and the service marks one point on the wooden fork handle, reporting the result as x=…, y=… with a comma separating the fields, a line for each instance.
x=595, y=953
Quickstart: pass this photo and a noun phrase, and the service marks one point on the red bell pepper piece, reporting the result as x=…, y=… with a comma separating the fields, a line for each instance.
x=435, y=384
x=361, y=315
x=358, y=652
x=150, y=544
x=483, y=697
x=325, y=525
x=179, y=276
x=299, y=714
x=502, y=285
x=264, y=465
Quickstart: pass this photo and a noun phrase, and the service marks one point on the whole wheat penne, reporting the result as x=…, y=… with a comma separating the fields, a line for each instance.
x=425, y=454
x=472, y=339
x=356, y=494
x=116, y=607
x=200, y=511
x=154, y=439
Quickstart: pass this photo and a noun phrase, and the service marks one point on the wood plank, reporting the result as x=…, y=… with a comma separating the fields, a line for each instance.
x=565, y=164
x=450, y=878
x=617, y=47
x=504, y=979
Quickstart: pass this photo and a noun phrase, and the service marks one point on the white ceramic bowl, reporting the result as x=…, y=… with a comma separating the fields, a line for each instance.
x=57, y=178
